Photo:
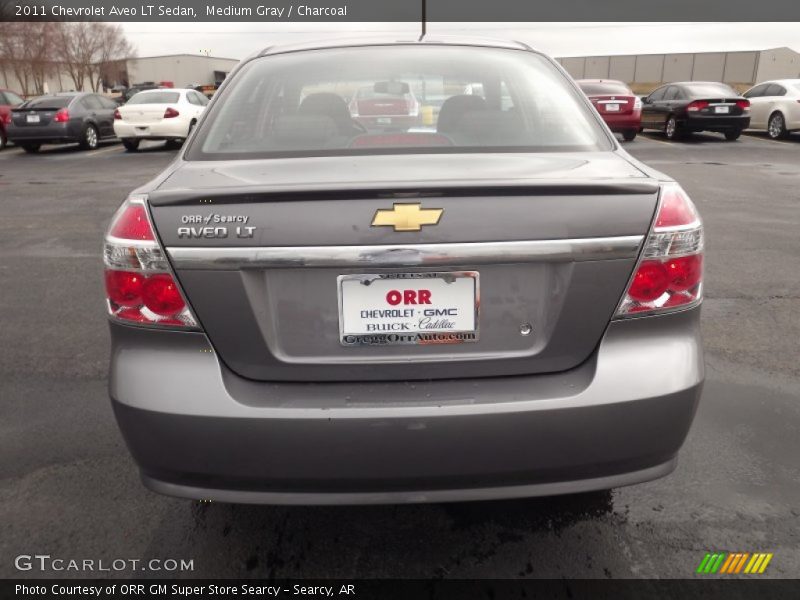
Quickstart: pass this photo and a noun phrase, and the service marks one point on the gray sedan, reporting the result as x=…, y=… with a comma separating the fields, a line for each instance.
x=495, y=302
x=68, y=117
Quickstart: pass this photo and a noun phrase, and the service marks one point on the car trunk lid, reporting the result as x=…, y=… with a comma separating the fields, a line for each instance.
x=386, y=106
x=613, y=105
x=33, y=117
x=264, y=261
x=144, y=114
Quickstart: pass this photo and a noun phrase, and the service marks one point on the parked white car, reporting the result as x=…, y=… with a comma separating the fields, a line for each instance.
x=775, y=107
x=162, y=114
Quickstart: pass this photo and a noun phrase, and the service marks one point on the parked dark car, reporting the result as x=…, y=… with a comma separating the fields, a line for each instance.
x=132, y=91
x=8, y=100
x=620, y=108
x=680, y=108
x=70, y=117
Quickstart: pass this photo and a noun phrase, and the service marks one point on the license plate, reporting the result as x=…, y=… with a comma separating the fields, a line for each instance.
x=408, y=308
x=722, y=109
x=33, y=119
x=612, y=107
x=384, y=120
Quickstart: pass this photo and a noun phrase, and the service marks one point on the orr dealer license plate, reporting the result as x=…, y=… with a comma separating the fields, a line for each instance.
x=408, y=308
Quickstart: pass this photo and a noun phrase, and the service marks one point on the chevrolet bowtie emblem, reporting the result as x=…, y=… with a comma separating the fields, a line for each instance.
x=406, y=217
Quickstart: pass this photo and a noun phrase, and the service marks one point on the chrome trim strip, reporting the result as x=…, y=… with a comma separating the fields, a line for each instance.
x=410, y=255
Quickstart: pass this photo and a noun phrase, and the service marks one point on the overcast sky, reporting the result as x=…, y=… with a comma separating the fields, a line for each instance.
x=236, y=40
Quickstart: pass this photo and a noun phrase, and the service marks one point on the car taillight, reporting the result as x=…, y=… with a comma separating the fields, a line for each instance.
x=697, y=105
x=637, y=103
x=171, y=113
x=5, y=118
x=669, y=275
x=743, y=104
x=61, y=116
x=117, y=116
x=140, y=287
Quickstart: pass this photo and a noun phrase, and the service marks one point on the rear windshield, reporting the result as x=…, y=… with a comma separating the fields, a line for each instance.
x=154, y=98
x=710, y=89
x=594, y=88
x=48, y=102
x=370, y=93
x=459, y=99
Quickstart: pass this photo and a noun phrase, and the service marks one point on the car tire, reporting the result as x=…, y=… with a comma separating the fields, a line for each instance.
x=776, y=127
x=732, y=136
x=173, y=144
x=671, y=130
x=31, y=148
x=629, y=135
x=89, y=138
x=131, y=145
x=3, y=139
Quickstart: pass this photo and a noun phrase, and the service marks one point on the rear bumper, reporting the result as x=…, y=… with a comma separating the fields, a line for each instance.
x=694, y=123
x=389, y=121
x=54, y=133
x=197, y=430
x=623, y=122
x=163, y=130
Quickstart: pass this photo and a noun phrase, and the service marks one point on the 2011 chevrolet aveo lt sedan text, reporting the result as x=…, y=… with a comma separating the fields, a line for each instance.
x=494, y=301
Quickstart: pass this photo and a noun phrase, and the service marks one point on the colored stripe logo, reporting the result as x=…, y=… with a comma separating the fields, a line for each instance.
x=734, y=563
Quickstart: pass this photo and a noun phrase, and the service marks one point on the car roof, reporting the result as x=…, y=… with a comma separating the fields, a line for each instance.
x=698, y=83
x=784, y=81
x=386, y=40
x=601, y=81
x=164, y=89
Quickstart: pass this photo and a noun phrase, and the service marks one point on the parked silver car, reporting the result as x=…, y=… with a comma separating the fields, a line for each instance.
x=503, y=304
x=775, y=107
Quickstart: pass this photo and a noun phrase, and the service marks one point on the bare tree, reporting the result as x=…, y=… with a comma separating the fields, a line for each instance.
x=114, y=48
x=39, y=53
x=27, y=53
x=90, y=50
x=12, y=49
x=72, y=44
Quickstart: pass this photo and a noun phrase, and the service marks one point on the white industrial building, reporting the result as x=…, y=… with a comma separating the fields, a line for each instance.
x=643, y=72
x=180, y=69
x=740, y=69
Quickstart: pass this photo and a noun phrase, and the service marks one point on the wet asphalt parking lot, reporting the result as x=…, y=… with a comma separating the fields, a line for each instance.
x=68, y=487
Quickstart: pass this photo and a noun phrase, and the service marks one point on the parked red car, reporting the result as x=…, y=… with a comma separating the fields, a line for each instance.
x=387, y=105
x=620, y=108
x=8, y=100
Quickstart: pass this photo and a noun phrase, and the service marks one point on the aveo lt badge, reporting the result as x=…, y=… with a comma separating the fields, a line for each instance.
x=407, y=217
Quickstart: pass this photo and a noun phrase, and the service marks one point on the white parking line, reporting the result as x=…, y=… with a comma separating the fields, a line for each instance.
x=10, y=153
x=113, y=148
x=761, y=139
x=651, y=139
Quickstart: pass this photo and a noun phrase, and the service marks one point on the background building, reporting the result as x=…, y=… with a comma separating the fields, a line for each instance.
x=645, y=72
x=180, y=69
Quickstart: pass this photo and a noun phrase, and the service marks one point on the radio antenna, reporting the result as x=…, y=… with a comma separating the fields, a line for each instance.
x=424, y=22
